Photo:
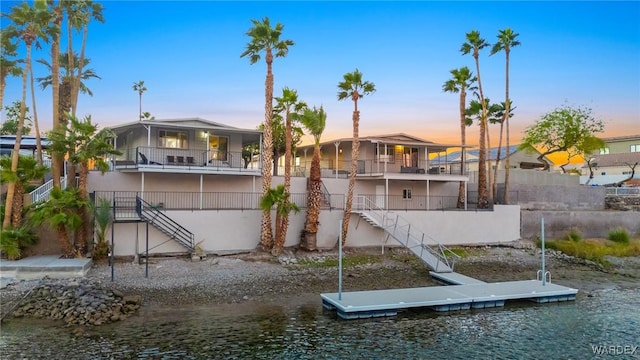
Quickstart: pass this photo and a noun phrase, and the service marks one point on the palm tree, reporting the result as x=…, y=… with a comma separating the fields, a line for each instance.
x=84, y=145
x=8, y=50
x=506, y=40
x=289, y=104
x=279, y=198
x=265, y=38
x=314, y=120
x=57, y=119
x=79, y=15
x=461, y=81
x=67, y=72
x=140, y=88
x=61, y=212
x=499, y=115
x=473, y=45
x=28, y=170
x=353, y=87
x=29, y=23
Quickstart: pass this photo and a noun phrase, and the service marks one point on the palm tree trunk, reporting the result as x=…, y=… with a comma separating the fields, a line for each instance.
x=483, y=203
x=35, y=121
x=266, y=234
x=11, y=187
x=499, y=154
x=82, y=234
x=463, y=139
x=309, y=241
x=355, y=146
x=282, y=237
x=506, y=121
x=56, y=160
x=18, y=204
x=488, y=151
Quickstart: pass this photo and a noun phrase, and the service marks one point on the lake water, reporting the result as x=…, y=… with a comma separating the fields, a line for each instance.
x=299, y=328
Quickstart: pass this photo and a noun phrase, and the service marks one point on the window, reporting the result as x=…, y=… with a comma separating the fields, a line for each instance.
x=604, y=151
x=634, y=148
x=389, y=157
x=172, y=139
x=406, y=194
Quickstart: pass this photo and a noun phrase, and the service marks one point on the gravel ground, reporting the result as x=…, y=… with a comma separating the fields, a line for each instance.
x=259, y=277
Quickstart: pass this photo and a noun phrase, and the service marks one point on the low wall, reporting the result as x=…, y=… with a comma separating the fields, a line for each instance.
x=220, y=231
x=589, y=223
x=557, y=197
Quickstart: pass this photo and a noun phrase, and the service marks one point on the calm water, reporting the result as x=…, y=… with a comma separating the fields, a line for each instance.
x=300, y=329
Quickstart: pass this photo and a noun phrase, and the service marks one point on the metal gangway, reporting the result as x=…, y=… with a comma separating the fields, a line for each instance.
x=435, y=255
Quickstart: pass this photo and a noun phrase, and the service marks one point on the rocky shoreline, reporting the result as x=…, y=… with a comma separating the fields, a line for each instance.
x=259, y=277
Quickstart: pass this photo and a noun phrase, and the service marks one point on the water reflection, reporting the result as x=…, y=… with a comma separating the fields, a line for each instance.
x=299, y=329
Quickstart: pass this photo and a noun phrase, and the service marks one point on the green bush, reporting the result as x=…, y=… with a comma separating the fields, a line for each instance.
x=619, y=235
x=13, y=241
x=574, y=235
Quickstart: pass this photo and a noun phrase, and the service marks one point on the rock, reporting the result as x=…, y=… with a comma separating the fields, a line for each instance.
x=132, y=299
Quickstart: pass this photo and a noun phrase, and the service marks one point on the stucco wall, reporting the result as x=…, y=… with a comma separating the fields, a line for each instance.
x=558, y=197
x=219, y=231
x=588, y=223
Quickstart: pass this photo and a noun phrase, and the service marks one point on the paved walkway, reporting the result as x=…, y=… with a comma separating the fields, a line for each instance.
x=37, y=267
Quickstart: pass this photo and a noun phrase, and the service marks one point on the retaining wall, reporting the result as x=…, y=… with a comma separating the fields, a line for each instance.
x=588, y=223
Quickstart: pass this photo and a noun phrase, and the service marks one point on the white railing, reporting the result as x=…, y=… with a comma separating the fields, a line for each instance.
x=432, y=252
x=623, y=191
x=42, y=192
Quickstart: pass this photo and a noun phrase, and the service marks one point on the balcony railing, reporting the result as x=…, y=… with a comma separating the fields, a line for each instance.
x=191, y=159
x=367, y=166
x=206, y=200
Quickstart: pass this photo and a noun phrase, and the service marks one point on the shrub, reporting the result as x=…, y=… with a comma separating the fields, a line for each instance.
x=13, y=241
x=574, y=235
x=619, y=235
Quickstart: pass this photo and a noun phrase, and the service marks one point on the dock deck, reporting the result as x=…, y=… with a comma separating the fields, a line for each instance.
x=476, y=295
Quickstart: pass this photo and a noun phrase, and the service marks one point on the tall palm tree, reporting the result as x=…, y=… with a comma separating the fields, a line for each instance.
x=8, y=64
x=499, y=115
x=461, y=81
x=79, y=15
x=289, y=104
x=140, y=88
x=29, y=23
x=265, y=38
x=66, y=72
x=56, y=10
x=473, y=45
x=315, y=121
x=353, y=87
x=506, y=40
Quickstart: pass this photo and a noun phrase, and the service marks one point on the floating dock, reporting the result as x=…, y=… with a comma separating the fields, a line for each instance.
x=466, y=293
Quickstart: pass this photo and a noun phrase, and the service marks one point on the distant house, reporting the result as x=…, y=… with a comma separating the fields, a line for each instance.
x=27, y=144
x=518, y=159
x=614, y=162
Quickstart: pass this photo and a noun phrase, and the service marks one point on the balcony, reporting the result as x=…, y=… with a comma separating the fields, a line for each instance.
x=153, y=159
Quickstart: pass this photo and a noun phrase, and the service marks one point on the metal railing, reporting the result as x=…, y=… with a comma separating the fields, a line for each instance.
x=622, y=191
x=42, y=192
x=193, y=159
x=340, y=169
x=439, y=258
x=203, y=200
x=165, y=224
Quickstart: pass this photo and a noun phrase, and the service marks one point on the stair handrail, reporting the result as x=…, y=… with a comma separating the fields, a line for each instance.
x=325, y=193
x=386, y=220
x=180, y=233
x=41, y=193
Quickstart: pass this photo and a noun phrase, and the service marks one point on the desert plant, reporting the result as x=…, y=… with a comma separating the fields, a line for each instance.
x=619, y=235
x=574, y=235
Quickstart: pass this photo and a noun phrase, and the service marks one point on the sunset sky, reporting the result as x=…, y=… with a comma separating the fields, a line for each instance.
x=188, y=54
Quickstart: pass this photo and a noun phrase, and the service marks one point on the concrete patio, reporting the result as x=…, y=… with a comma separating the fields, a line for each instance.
x=38, y=267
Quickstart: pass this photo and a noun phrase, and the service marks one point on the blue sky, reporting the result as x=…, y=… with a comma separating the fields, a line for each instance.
x=188, y=54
